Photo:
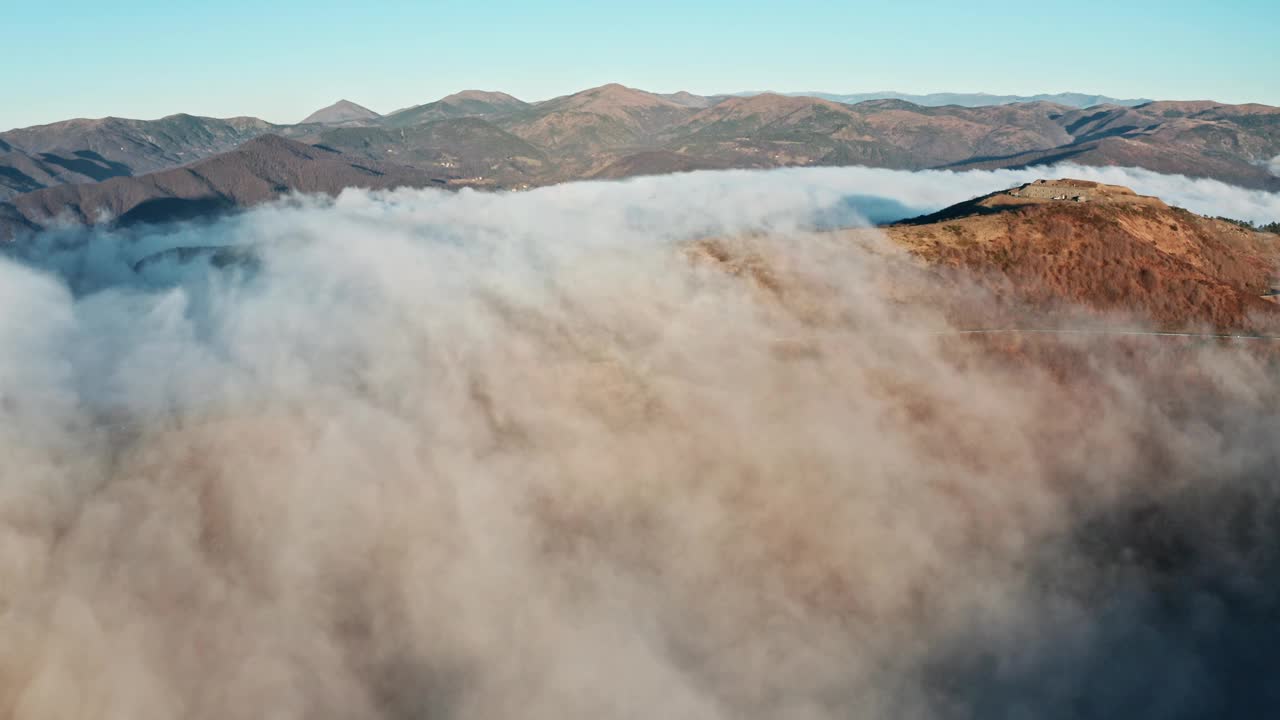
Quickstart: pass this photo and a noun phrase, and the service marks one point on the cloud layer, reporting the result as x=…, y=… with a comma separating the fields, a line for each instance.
x=474, y=455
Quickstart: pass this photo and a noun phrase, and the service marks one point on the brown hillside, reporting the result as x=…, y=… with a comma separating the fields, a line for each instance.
x=599, y=119
x=656, y=162
x=487, y=96
x=1064, y=254
x=257, y=171
x=1057, y=243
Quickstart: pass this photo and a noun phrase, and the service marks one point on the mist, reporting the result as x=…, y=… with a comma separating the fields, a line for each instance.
x=474, y=455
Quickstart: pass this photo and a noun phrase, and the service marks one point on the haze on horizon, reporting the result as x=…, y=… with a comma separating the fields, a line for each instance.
x=147, y=59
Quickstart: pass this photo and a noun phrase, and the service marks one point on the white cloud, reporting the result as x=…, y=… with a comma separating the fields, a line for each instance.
x=497, y=454
x=673, y=206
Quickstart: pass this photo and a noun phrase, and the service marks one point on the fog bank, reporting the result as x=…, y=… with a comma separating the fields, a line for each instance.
x=483, y=455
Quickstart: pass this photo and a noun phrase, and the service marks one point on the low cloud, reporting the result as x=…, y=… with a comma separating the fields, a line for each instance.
x=477, y=455
x=646, y=209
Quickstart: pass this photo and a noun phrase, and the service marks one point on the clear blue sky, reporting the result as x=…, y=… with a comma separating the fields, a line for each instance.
x=281, y=59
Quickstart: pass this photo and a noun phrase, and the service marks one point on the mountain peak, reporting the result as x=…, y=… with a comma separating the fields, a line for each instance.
x=618, y=90
x=340, y=112
x=612, y=96
x=486, y=96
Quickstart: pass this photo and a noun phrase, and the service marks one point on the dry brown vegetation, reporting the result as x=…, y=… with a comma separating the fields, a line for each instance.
x=1113, y=252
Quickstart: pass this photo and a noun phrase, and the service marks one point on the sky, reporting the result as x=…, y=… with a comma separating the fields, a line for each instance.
x=281, y=59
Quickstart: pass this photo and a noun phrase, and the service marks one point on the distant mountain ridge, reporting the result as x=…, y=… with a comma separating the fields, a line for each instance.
x=979, y=99
x=488, y=139
x=1070, y=99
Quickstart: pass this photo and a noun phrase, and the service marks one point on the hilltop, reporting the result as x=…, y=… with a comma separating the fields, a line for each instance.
x=1055, y=243
x=343, y=111
x=468, y=103
x=1054, y=254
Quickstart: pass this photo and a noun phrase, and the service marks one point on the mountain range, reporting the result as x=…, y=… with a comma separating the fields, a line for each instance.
x=489, y=139
x=258, y=170
x=1070, y=99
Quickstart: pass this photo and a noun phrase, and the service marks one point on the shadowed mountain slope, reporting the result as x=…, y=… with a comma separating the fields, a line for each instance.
x=260, y=170
x=76, y=151
x=453, y=148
